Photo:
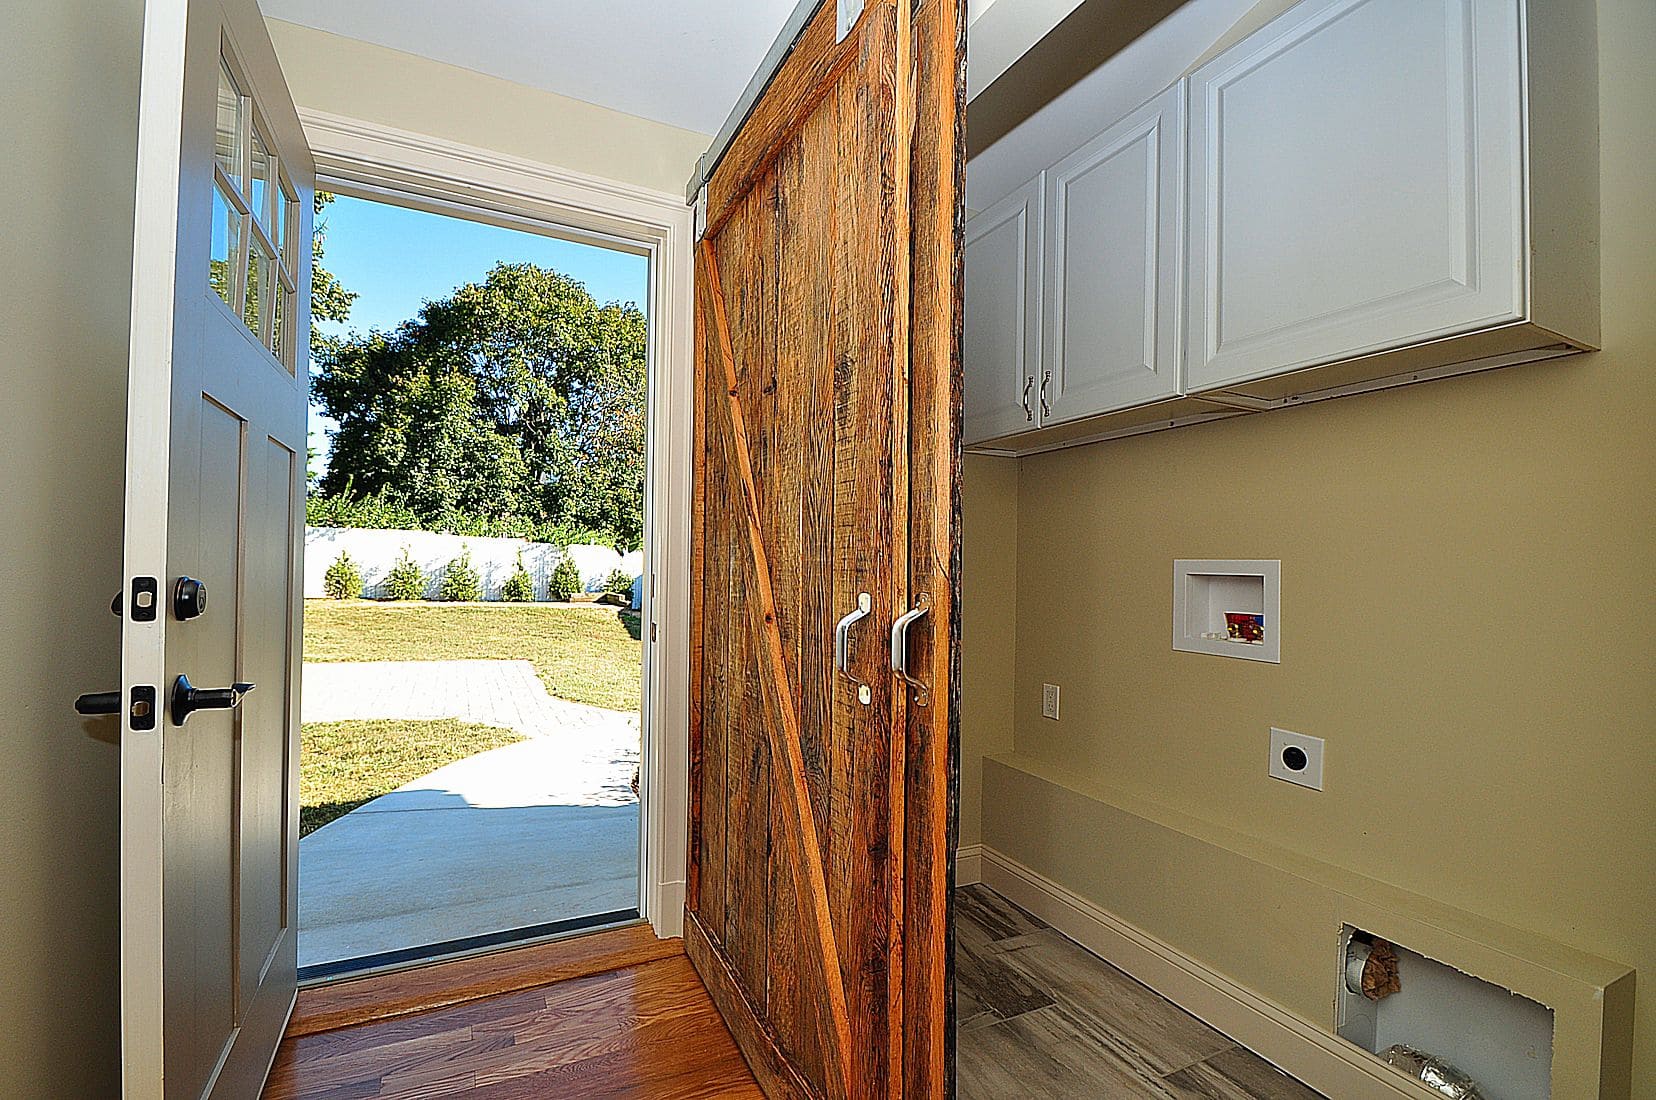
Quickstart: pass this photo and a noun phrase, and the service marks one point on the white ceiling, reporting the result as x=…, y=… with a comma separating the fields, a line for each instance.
x=682, y=62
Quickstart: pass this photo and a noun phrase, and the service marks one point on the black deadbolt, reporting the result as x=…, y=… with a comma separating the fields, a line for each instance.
x=189, y=599
x=1295, y=758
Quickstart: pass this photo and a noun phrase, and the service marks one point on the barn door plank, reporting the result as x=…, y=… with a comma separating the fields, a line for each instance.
x=799, y=832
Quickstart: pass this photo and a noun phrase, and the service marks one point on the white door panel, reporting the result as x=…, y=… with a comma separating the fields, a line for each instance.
x=1002, y=342
x=1353, y=169
x=1114, y=221
x=215, y=477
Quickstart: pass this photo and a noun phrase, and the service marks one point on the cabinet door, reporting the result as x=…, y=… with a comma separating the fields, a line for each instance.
x=1002, y=345
x=1114, y=215
x=1356, y=185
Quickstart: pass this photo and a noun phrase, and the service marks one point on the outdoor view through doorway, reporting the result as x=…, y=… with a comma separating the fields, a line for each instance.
x=473, y=575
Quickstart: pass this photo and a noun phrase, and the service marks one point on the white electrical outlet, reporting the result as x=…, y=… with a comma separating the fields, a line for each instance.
x=1297, y=758
x=1049, y=701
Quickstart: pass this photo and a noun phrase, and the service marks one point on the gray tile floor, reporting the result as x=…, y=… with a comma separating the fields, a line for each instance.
x=1040, y=1016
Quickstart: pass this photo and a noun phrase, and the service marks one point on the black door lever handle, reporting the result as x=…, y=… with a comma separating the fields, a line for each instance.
x=98, y=702
x=187, y=698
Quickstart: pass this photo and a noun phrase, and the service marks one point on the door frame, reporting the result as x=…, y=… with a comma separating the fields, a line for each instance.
x=370, y=160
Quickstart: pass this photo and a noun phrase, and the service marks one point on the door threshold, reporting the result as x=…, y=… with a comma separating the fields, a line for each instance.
x=400, y=989
x=381, y=962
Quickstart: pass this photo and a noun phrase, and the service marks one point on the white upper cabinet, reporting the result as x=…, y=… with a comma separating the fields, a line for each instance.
x=1002, y=344
x=1113, y=244
x=1358, y=185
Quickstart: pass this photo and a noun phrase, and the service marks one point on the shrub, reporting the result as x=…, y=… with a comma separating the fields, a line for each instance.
x=520, y=586
x=619, y=583
x=460, y=581
x=343, y=580
x=406, y=581
x=565, y=582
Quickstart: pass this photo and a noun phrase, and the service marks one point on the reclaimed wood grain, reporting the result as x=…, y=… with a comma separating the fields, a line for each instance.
x=806, y=278
x=400, y=993
x=779, y=720
x=937, y=187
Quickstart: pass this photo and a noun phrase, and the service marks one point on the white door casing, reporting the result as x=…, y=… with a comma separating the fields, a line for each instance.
x=216, y=409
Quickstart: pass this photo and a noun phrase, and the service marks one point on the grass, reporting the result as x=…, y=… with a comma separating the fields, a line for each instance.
x=344, y=764
x=586, y=655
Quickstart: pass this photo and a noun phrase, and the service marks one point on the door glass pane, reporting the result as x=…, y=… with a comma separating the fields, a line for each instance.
x=258, y=286
x=229, y=140
x=221, y=267
x=258, y=192
x=278, y=320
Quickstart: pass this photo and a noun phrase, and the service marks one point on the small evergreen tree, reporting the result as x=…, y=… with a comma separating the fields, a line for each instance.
x=565, y=582
x=520, y=586
x=406, y=581
x=343, y=580
x=619, y=583
x=460, y=580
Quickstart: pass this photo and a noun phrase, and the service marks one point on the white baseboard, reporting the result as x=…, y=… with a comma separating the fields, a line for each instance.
x=968, y=864
x=1315, y=1056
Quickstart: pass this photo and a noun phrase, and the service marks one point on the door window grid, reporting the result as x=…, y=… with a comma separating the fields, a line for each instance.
x=253, y=263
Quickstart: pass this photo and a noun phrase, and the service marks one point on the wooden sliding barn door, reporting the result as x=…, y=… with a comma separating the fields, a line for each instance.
x=823, y=674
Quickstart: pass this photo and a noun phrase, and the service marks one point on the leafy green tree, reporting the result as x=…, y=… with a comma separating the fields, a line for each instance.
x=343, y=580
x=406, y=581
x=330, y=301
x=519, y=396
x=460, y=580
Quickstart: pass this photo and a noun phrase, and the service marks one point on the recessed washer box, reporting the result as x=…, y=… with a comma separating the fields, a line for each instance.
x=1205, y=590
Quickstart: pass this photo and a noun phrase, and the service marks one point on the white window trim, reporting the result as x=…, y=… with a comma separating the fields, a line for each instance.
x=368, y=159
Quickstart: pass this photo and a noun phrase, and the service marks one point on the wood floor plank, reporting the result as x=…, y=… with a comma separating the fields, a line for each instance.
x=1237, y=1074
x=643, y=1030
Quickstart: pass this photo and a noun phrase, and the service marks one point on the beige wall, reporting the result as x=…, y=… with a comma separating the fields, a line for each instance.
x=1467, y=612
x=344, y=76
x=69, y=80
x=988, y=624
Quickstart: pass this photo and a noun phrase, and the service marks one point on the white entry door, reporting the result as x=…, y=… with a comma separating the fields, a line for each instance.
x=216, y=406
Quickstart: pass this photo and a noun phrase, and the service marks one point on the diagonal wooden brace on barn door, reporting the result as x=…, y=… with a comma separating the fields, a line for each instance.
x=800, y=839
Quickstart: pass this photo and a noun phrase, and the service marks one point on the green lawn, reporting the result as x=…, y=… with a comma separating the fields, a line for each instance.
x=344, y=764
x=586, y=655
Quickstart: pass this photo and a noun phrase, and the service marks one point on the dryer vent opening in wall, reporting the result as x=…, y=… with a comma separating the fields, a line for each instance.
x=1461, y=1026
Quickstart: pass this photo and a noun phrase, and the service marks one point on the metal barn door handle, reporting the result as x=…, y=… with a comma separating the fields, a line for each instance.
x=842, y=644
x=899, y=647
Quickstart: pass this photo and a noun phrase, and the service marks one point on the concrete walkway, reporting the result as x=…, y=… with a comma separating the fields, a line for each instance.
x=538, y=831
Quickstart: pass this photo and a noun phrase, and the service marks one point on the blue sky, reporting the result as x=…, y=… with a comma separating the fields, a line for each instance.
x=397, y=259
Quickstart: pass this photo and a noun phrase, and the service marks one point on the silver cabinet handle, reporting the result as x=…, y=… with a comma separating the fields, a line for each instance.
x=1029, y=413
x=842, y=644
x=899, y=646
x=1046, y=410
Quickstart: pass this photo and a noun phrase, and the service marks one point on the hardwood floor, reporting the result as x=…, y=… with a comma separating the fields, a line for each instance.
x=643, y=1030
x=1039, y=1017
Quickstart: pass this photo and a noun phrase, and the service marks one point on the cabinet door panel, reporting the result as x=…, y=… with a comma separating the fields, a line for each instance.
x=1355, y=171
x=1002, y=345
x=1113, y=256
